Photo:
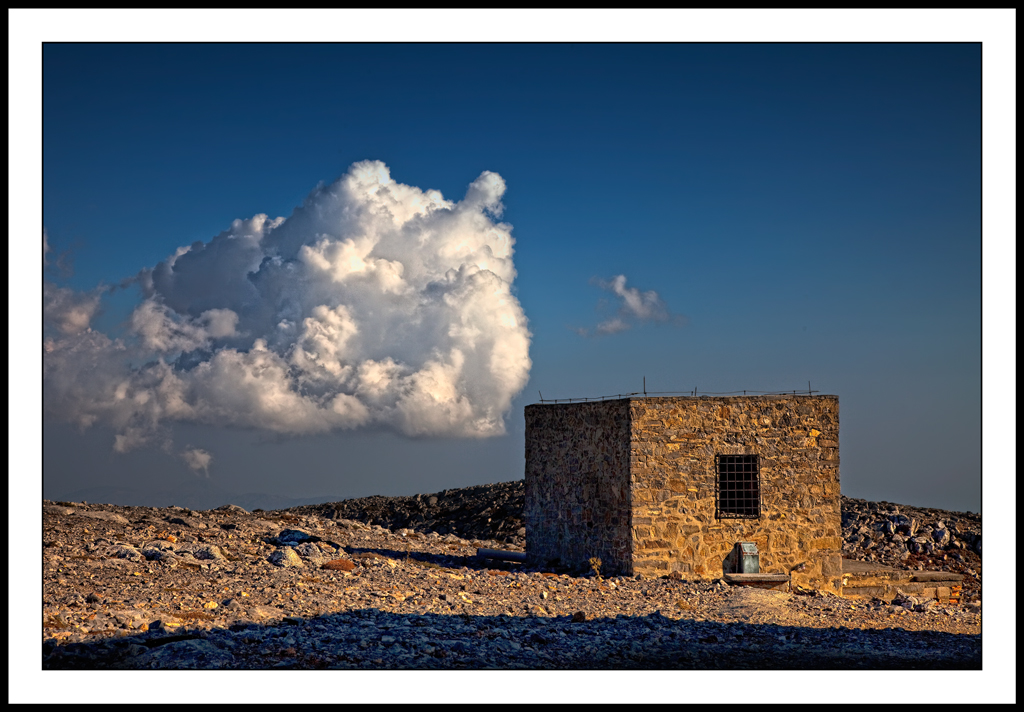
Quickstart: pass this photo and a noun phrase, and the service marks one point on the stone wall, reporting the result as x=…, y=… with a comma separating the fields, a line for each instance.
x=577, y=484
x=672, y=489
x=632, y=481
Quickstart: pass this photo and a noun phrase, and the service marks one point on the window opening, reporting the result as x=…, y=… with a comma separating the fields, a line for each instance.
x=738, y=486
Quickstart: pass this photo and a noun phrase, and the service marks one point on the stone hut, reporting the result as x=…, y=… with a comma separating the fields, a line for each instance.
x=657, y=485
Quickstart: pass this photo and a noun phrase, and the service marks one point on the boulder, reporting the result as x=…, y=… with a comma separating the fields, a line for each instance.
x=285, y=556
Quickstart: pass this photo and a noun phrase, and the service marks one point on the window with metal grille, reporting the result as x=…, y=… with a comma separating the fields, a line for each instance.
x=738, y=486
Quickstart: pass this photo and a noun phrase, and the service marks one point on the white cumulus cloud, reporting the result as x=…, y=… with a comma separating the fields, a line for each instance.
x=374, y=304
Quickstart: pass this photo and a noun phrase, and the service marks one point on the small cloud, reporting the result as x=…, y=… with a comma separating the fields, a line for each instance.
x=643, y=306
x=611, y=326
x=197, y=459
x=634, y=307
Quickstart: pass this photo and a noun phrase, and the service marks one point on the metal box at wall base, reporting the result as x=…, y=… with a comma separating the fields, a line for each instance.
x=746, y=558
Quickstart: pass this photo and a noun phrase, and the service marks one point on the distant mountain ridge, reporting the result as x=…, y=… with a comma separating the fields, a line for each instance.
x=199, y=495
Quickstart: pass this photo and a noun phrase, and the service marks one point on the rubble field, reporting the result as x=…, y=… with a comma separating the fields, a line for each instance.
x=395, y=583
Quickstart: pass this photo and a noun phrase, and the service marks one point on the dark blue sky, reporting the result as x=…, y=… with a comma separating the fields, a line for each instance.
x=812, y=210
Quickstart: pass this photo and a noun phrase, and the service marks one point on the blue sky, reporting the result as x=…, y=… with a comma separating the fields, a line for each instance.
x=801, y=212
x=812, y=211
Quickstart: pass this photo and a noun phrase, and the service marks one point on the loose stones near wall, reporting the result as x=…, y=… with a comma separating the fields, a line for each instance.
x=652, y=508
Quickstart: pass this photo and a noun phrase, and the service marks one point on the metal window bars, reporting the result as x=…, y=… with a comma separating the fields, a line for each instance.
x=737, y=487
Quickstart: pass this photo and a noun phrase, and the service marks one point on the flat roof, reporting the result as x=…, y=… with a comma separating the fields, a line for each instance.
x=683, y=396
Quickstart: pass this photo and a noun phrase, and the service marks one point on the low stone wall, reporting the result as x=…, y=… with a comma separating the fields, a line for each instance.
x=672, y=466
x=863, y=580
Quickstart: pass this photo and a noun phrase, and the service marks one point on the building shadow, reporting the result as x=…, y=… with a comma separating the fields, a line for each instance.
x=369, y=638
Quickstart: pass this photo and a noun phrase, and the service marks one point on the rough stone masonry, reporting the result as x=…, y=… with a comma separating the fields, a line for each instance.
x=637, y=483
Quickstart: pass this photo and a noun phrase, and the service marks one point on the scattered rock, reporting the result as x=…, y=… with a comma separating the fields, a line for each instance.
x=190, y=522
x=165, y=557
x=107, y=516
x=289, y=537
x=310, y=552
x=339, y=565
x=209, y=552
x=285, y=556
x=127, y=552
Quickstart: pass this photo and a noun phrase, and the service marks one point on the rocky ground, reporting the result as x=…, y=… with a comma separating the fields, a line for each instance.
x=394, y=583
x=483, y=512
x=915, y=538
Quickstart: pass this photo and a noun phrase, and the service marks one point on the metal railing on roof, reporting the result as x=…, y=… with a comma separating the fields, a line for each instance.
x=694, y=394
